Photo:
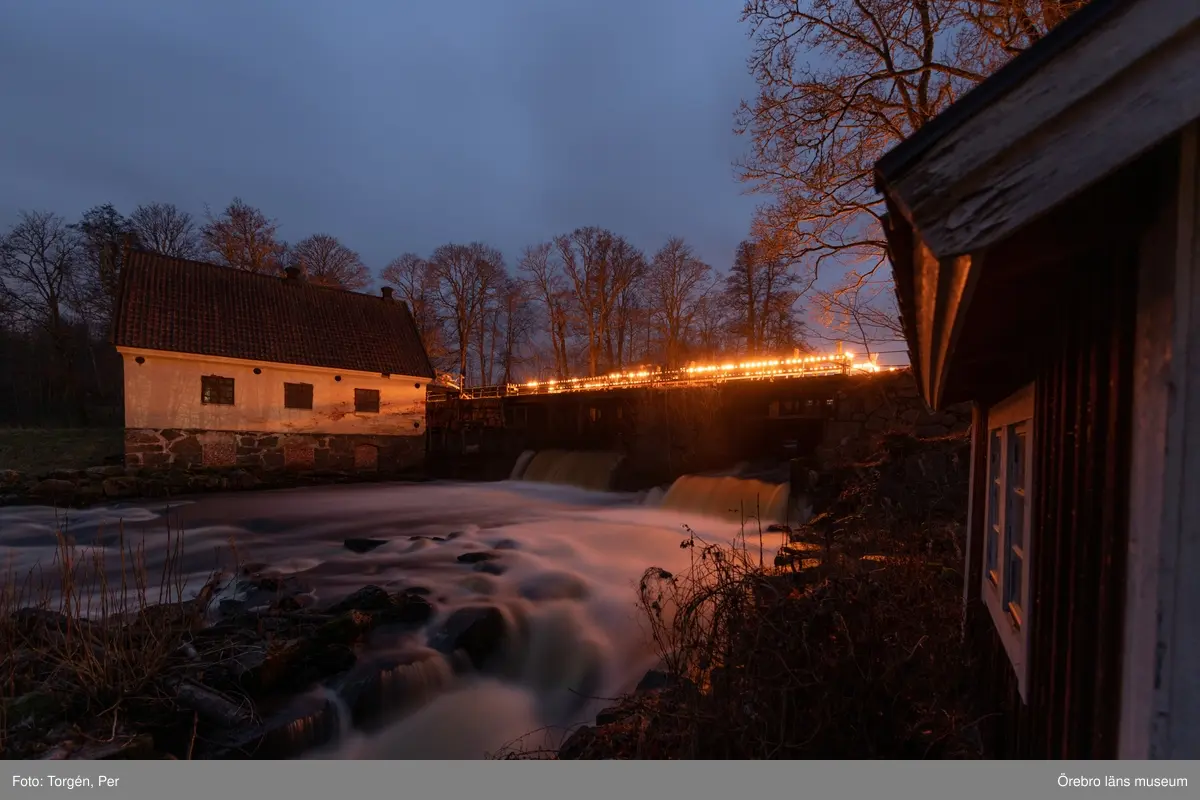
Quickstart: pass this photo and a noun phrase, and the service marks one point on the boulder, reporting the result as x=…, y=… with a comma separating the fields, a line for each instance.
x=368, y=598
x=54, y=489
x=116, y=487
x=376, y=690
x=109, y=471
x=308, y=723
x=363, y=545
x=475, y=558
x=480, y=632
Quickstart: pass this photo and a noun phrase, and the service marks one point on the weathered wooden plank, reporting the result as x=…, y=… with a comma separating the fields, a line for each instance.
x=1137, y=79
x=1177, y=704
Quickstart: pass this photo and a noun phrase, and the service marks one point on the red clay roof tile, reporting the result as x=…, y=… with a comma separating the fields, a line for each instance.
x=192, y=307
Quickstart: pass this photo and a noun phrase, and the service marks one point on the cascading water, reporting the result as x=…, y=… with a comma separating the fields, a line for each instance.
x=522, y=463
x=552, y=569
x=584, y=469
x=559, y=579
x=732, y=499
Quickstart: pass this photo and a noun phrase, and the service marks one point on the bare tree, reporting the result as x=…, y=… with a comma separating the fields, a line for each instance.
x=546, y=282
x=599, y=266
x=629, y=318
x=674, y=282
x=1005, y=28
x=415, y=281
x=466, y=275
x=865, y=314
x=39, y=259
x=103, y=233
x=165, y=229
x=489, y=334
x=516, y=321
x=327, y=262
x=761, y=296
x=712, y=321
x=243, y=237
x=505, y=329
x=842, y=81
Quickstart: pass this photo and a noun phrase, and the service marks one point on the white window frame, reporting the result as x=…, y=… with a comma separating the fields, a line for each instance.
x=1007, y=418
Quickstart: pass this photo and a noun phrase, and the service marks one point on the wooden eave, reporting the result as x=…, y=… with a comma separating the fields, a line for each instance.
x=1103, y=88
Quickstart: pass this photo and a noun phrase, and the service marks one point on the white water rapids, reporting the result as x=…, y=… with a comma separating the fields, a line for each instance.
x=571, y=562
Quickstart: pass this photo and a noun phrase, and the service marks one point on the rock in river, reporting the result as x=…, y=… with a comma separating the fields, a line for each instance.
x=479, y=631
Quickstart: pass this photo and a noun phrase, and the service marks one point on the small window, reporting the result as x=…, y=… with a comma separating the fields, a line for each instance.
x=366, y=401
x=1007, y=534
x=297, y=395
x=216, y=391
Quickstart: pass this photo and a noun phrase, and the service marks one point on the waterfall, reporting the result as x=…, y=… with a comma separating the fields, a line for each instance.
x=732, y=498
x=586, y=469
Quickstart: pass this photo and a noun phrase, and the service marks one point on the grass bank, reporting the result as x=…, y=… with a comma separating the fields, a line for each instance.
x=37, y=451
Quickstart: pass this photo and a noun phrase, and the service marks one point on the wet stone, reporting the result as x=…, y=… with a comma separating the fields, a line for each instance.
x=308, y=723
x=475, y=558
x=480, y=632
x=54, y=488
x=379, y=689
x=408, y=608
x=363, y=545
x=368, y=598
x=490, y=568
x=654, y=680
x=578, y=744
x=610, y=715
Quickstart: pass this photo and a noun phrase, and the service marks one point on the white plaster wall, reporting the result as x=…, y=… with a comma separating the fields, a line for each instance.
x=164, y=392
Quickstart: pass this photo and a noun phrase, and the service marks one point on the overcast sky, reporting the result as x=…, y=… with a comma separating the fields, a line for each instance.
x=395, y=125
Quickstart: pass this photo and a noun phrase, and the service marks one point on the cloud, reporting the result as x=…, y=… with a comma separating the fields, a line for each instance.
x=393, y=125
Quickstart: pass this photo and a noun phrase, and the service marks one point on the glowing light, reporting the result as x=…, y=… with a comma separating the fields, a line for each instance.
x=761, y=368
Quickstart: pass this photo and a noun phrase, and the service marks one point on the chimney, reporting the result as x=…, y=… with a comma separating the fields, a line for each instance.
x=291, y=273
x=386, y=292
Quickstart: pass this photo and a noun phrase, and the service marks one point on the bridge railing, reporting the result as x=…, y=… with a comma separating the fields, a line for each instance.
x=799, y=366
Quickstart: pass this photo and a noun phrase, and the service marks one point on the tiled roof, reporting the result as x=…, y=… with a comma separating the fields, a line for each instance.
x=192, y=307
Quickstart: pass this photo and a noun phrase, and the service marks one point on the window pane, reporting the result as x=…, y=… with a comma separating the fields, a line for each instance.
x=216, y=390
x=993, y=502
x=1014, y=520
x=1016, y=456
x=1014, y=513
x=1012, y=579
x=297, y=395
x=366, y=400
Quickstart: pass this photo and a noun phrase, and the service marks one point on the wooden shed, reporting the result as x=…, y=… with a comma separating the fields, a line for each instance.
x=1045, y=238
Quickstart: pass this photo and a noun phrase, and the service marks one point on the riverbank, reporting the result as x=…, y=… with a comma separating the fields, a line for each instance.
x=104, y=672
x=521, y=611
x=844, y=644
x=82, y=488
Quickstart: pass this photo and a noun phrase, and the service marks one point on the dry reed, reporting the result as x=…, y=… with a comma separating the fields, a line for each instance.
x=90, y=639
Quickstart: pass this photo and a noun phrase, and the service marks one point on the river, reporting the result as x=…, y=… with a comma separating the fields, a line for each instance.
x=570, y=561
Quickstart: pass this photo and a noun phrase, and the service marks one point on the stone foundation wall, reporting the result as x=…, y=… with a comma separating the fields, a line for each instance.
x=192, y=449
x=886, y=403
